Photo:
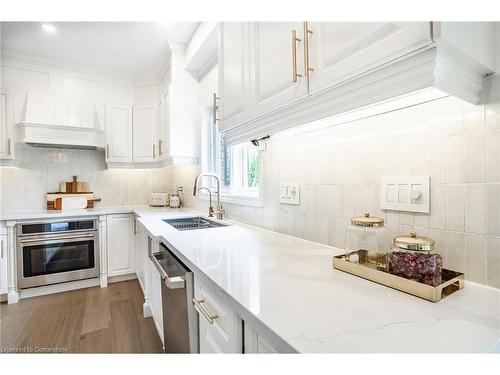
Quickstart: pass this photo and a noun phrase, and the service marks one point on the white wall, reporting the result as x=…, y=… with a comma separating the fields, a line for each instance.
x=339, y=169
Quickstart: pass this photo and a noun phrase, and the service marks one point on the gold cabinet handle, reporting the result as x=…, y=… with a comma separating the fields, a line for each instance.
x=201, y=309
x=154, y=150
x=8, y=146
x=159, y=146
x=307, y=33
x=107, y=151
x=1, y=248
x=294, y=56
x=214, y=108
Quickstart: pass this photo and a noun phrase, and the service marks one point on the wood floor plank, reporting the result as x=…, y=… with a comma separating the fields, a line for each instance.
x=92, y=320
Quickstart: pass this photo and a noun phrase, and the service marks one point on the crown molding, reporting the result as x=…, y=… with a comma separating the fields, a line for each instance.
x=17, y=59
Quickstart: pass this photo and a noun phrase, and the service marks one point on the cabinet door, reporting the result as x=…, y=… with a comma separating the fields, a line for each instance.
x=273, y=61
x=234, y=74
x=145, y=130
x=224, y=335
x=121, y=249
x=119, y=133
x=256, y=343
x=141, y=248
x=163, y=120
x=339, y=51
x=3, y=264
x=6, y=126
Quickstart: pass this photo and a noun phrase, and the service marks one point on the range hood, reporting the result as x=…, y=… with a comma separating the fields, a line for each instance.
x=59, y=136
x=52, y=120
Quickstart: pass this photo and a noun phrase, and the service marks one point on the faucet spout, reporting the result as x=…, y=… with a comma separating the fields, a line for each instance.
x=220, y=210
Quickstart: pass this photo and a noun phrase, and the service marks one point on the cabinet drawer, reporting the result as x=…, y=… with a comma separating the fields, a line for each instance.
x=220, y=326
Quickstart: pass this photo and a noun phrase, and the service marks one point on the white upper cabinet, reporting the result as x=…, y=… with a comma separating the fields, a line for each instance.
x=341, y=50
x=119, y=133
x=277, y=65
x=145, y=123
x=6, y=126
x=234, y=70
x=163, y=120
x=327, y=68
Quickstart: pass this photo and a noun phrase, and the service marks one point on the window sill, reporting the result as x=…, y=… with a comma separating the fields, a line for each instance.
x=241, y=199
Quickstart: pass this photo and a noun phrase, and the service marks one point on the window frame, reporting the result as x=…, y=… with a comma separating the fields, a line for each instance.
x=210, y=163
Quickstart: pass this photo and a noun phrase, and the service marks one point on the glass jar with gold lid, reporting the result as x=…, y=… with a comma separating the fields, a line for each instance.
x=413, y=257
x=367, y=241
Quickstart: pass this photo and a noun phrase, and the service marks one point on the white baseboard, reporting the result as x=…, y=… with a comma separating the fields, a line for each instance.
x=58, y=288
x=64, y=287
x=146, y=310
x=117, y=279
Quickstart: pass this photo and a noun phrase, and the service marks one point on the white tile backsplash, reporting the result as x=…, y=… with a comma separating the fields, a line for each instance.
x=455, y=207
x=493, y=156
x=455, y=160
x=474, y=157
x=453, y=142
x=475, y=208
x=493, y=209
x=40, y=170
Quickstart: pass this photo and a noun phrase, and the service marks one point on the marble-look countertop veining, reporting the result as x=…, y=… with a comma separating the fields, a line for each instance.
x=288, y=285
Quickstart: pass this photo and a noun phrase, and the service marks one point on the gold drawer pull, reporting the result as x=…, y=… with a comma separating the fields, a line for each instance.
x=198, y=306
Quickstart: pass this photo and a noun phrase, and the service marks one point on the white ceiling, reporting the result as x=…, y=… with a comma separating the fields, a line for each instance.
x=123, y=46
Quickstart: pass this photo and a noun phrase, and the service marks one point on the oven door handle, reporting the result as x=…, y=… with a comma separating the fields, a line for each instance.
x=50, y=239
x=176, y=282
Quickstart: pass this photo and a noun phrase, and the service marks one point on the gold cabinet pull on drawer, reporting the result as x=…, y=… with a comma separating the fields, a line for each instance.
x=201, y=309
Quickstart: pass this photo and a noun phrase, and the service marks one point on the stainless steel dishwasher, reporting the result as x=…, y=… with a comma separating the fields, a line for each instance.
x=180, y=322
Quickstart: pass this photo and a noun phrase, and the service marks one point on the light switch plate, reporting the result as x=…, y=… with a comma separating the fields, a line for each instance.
x=289, y=192
x=405, y=193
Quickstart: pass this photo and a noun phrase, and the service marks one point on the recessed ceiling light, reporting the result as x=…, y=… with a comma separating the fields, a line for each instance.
x=50, y=29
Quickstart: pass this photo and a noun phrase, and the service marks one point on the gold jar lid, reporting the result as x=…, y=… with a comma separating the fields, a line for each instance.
x=414, y=242
x=367, y=221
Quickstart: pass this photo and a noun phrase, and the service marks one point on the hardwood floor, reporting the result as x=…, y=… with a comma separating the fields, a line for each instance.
x=92, y=320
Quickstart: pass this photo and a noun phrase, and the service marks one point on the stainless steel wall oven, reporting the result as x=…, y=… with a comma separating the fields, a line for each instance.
x=56, y=251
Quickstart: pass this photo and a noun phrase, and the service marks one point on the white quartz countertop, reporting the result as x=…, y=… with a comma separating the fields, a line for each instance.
x=34, y=214
x=288, y=286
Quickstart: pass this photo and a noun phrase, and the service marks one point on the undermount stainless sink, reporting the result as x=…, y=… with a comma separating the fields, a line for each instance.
x=193, y=223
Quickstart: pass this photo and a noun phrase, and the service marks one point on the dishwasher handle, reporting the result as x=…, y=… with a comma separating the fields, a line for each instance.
x=176, y=282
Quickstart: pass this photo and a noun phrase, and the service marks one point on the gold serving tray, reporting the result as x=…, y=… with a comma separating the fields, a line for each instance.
x=451, y=280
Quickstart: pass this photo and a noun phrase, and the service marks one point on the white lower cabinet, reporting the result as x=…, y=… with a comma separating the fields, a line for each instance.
x=256, y=342
x=3, y=265
x=121, y=245
x=219, y=326
x=141, y=250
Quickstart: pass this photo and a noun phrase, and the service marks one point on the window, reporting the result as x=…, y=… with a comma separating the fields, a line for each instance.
x=238, y=166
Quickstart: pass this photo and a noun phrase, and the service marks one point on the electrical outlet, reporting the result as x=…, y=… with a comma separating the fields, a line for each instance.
x=289, y=193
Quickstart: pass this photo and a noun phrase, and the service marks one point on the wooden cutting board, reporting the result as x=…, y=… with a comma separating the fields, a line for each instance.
x=61, y=201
